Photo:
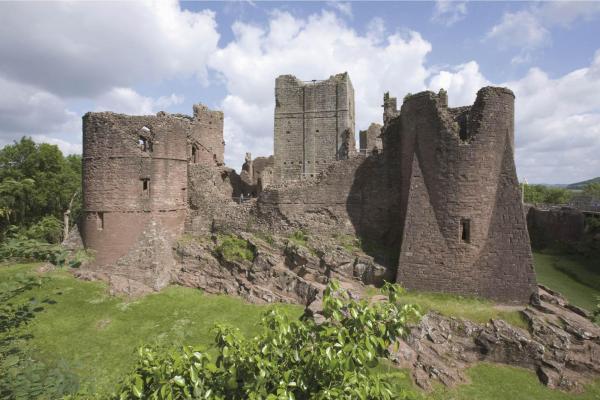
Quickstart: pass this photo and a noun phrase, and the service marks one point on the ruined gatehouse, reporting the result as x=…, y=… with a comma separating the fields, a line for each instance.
x=433, y=199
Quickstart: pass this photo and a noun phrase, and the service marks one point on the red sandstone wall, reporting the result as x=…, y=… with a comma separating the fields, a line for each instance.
x=445, y=180
x=116, y=207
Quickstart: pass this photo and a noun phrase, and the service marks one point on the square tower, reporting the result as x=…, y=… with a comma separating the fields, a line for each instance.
x=314, y=125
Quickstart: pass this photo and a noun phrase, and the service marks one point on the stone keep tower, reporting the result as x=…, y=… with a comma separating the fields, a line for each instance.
x=314, y=125
x=135, y=184
x=463, y=228
x=134, y=171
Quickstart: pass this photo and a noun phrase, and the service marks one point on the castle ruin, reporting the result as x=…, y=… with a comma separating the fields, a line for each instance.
x=434, y=197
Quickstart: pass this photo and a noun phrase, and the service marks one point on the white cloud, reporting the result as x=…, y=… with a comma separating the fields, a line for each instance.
x=128, y=101
x=520, y=29
x=65, y=146
x=530, y=29
x=312, y=48
x=557, y=121
x=86, y=48
x=27, y=110
x=462, y=83
x=449, y=12
x=558, y=124
x=345, y=8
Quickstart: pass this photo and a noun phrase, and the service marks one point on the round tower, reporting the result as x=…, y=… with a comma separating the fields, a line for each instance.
x=134, y=174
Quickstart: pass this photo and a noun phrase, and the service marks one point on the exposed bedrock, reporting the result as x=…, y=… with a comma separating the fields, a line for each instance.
x=561, y=345
x=282, y=271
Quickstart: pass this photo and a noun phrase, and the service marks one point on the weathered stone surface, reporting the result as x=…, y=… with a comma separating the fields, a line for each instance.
x=311, y=122
x=73, y=241
x=549, y=226
x=561, y=346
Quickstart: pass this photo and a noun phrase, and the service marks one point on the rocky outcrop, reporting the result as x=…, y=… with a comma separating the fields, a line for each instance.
x=281, y=271
x=561, y=345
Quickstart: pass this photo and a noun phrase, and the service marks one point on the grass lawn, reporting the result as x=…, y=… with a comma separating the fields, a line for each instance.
x=496, y=382
x=576, y=278
x=94, y=336
x=90, y=337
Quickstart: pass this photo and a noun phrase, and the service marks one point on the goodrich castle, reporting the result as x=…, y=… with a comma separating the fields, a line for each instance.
x=432, y=195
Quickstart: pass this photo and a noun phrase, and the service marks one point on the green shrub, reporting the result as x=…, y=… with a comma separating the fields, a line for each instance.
x=234, y=248
x=299, y=237
x=288, y=360
x=21, y=249
x=48, y=229
x=349, y=242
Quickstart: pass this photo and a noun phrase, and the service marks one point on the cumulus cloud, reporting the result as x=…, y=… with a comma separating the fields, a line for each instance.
x=558, y=124
x=128, y=101
x=462, y=83
x=344, y=8
x=87, y=48
x=521, y=29
x=557, y=121
x=529, y=29
x=27, y=110
x=315, y=47
x=448, y=12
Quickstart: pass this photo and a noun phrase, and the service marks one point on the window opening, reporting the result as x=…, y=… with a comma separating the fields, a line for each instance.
x=465, y=230
x=146, y=187
x=144, y=144
x=194, y=154
x=100, y=221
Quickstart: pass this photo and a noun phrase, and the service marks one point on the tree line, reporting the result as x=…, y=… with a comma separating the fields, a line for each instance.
x=37, y=185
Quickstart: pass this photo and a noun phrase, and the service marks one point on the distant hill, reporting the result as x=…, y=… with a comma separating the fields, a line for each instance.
x=580, y=185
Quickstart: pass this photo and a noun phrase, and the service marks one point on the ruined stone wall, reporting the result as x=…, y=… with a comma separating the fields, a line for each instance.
x=214, y=197
x=464, y=229
x=134, y=171
x=314, y=125
x=370, y=139
x=206, y=137
x=547, y=227
x=350, y=197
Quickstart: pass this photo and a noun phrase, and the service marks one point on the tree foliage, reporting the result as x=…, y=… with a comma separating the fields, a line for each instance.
x=37, y=181
x=546, y=195
x=592, y=189
x=297, y=359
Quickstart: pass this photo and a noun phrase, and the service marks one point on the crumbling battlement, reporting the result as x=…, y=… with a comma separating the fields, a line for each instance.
x=314, y=125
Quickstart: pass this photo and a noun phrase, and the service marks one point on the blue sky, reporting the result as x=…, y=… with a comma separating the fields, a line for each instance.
x=60, y=60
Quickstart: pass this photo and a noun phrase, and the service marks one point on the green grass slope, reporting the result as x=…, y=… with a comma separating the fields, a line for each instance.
x=576, y=278
x=84, y=333
x=94, y=336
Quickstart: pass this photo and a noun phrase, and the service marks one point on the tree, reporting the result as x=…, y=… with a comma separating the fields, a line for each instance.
x=546, y=195
x=592, y=189
x=36, y=181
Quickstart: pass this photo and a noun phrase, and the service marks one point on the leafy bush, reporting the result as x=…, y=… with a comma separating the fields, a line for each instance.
x=22, y=249
x=48, y=229
x=596, y=313
x=288, y=360
x=22, y=376
x=234, y=248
